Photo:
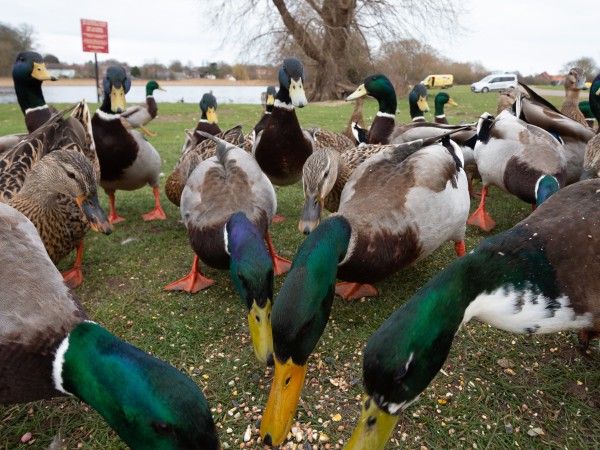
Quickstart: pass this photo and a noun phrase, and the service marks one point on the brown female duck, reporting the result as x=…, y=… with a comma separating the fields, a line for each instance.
x=574, y=83
x=56, y=190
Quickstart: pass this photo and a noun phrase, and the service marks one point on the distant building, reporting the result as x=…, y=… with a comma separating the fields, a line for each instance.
x=62, y=73
x=554, y=80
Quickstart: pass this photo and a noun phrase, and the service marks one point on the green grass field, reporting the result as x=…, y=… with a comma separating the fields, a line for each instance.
x=497, y=390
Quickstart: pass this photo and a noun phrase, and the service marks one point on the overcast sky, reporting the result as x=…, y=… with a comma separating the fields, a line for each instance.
x=525, y=35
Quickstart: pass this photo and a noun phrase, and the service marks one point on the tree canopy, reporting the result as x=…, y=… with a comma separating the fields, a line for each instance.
x=12, y=41
x=334, y=38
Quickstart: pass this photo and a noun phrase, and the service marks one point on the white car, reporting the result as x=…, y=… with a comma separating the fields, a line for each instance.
x=495, y=82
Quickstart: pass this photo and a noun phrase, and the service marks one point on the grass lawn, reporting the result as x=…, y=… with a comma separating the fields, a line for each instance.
x=497, y=390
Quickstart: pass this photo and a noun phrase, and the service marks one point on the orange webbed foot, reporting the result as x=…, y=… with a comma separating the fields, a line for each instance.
x=354, y=291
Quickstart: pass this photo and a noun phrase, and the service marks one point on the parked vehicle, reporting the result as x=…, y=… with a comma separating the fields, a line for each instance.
x=495, y=82
x=443, y=81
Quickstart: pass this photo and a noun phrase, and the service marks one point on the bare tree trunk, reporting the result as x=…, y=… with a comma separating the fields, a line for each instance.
x=332, y=80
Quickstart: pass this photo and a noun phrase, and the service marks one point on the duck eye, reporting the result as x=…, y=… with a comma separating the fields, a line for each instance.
x=70, y=174
x=326, y=174
x=163, y=428
x=257, y=318
x=287, y=380
x=371, y=421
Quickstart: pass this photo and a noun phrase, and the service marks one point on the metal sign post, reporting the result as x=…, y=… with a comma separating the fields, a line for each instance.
x=94, y=36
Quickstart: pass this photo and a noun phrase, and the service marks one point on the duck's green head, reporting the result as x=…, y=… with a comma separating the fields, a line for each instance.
x=270, y=100
x=251, y=270
x=208, y=106
x=595, y=97
x=150, y=404
x=544, y=188
x=300, y=315
x=291, y=83
x=29, y=71
x=379, y=87
x=403, y=356
x=115, y=84
x=417, y=100
x=152, y=86
x=441, y=99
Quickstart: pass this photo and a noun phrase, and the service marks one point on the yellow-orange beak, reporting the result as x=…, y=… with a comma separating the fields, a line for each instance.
x=373, y=429
x=360, y=91
x=93, y=212
x=452, y=102
x=259, y=320
x=422, y=103
x=40, y=72
x=283, y=401
x=117, y=100
x=270, y=99
x=211, y=115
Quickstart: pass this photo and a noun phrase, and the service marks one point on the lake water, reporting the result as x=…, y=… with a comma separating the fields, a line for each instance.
x=137, y=94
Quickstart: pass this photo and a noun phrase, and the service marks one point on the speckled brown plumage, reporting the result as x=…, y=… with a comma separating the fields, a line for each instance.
x=189, y=160
x=34, y=179
x=47, y=199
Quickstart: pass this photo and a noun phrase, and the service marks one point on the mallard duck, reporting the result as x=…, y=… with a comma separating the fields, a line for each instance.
x=270, y=94
x=519, y=158
x=379, y=87
x=190, y=159
x=574, y=82
x=283, y=147
x=574, y=136
x=208, y=122
x=442, y=99
x=127, y=160
x=49, y=348
x=57, y=190
x=417, y=102
x=465, y=136
x=140, y=115
x=591, y=159
x=424, y=190
x=538, y=277
x=584, y=107
x=227, y=206
x=29, y=71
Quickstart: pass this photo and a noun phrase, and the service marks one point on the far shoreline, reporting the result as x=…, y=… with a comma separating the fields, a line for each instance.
x=8, y=82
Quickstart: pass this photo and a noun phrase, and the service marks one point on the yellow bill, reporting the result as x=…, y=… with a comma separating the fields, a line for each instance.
x=452, y=102
x=259, y=320
x=297, y=94
x=422, y=104
x=374, y=428
x=40, y=72
x=117, y=100
x=360, y=91
x=283, y=401
x=211, y=115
